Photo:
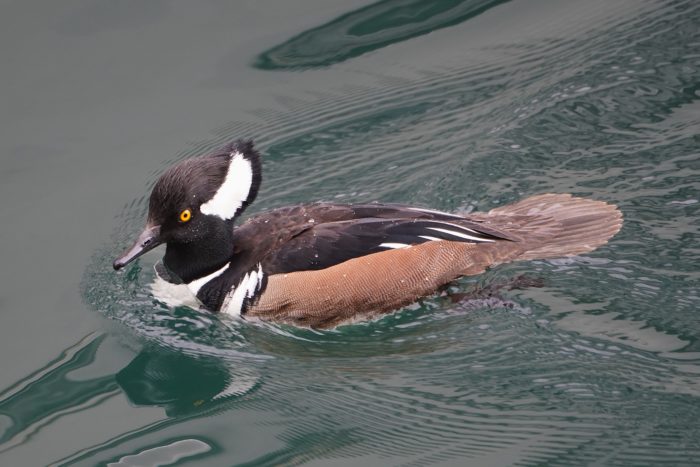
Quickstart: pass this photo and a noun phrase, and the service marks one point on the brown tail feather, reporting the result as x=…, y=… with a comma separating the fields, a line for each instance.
x=558, y=224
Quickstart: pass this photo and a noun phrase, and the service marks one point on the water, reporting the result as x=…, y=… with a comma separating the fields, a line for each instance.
x=455, y=105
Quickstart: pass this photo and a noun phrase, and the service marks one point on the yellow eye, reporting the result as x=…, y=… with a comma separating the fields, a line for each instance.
x=185, y=215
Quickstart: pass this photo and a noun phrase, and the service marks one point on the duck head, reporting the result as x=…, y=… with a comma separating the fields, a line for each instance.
x=192, y=209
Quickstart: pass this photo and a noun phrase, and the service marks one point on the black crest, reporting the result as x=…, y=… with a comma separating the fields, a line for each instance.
x=195, y=181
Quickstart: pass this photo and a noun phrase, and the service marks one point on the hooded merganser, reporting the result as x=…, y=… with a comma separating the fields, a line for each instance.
x=322, y=264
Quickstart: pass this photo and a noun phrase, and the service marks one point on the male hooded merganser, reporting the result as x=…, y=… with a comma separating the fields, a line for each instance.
x=319, y=265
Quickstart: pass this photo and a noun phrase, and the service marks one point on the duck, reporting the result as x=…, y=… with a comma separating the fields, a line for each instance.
x=322, y=264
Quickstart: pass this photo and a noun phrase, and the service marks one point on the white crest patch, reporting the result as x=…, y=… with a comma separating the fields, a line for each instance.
x=251, y=282
x=234, y=191
x=197, y=284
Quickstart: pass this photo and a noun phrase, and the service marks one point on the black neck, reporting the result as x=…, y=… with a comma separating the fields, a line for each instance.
x=190, y=261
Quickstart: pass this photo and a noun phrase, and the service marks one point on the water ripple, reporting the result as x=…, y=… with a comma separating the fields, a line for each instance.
x=601, y=365
x=369, y=28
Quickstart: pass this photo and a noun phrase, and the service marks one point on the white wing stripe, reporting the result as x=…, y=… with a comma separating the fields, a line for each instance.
x=433, y=211
x=456, y=226
x=394, y=245
x=460, y=235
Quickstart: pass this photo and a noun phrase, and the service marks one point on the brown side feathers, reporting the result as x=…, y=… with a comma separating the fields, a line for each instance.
x=544, y=226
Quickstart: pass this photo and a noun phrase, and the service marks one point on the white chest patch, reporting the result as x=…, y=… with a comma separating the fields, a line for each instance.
x=173, y=294
x=182, y=294
x=233, y=191
x=246, y=288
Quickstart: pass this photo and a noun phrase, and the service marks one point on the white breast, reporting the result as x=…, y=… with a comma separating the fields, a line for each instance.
x=186, y=294
x=181, y=294
x=174, y=294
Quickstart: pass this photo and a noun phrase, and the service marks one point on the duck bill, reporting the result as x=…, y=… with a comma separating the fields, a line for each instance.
x=147, y=240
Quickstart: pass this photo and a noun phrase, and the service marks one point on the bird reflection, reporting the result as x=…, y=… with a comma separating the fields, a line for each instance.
x=181, y=383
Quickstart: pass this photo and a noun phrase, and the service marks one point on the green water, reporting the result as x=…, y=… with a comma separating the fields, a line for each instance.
x=454, y=105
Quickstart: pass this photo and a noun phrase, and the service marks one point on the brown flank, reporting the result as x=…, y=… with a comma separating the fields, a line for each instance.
x=543, y=226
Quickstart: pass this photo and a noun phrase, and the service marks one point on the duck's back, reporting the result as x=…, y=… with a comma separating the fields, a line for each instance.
x=327, y=264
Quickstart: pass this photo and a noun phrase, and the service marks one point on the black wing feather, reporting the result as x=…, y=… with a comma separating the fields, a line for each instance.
x=328, y=244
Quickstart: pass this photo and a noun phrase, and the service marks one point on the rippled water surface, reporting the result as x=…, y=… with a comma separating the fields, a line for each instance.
x=455, y=105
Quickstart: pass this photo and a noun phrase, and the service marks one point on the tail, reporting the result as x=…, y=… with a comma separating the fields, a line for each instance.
x=558, y=224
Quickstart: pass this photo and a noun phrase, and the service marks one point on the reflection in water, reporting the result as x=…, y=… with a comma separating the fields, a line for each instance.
x=167, y=454
x=49, y=393
x=180, y=383
x=370, y=28
x=341, y=393
x=186, y=386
